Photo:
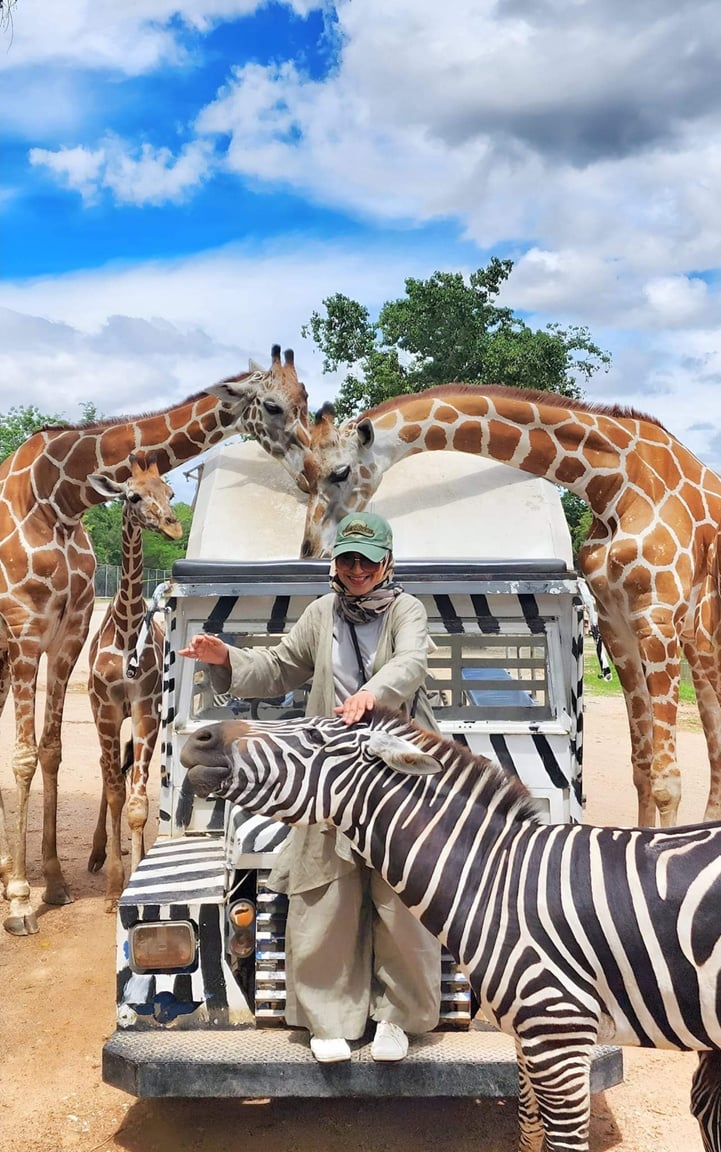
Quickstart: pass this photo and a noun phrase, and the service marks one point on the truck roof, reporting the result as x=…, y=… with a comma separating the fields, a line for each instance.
x=441, y=505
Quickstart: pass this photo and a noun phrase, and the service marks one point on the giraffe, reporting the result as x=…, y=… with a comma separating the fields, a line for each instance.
x=114, y=695
x=651, y=559
x=47, y=566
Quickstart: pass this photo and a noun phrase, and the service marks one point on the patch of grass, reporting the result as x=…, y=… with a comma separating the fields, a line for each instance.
x=595, y=686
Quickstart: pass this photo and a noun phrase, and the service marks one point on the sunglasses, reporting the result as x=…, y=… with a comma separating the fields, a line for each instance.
x=349, y=560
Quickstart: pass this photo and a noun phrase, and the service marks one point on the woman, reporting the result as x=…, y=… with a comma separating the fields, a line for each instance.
x=353, y=950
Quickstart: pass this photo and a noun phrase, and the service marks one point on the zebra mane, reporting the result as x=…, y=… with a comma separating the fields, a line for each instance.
x=509, y=795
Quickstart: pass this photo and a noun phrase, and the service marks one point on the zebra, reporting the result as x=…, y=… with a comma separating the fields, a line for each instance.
x=569, y=935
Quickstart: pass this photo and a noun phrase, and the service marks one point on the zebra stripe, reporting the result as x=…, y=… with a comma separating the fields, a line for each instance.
x=569, y=935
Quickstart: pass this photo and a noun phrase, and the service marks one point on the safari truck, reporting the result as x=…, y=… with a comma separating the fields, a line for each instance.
x=201, y=979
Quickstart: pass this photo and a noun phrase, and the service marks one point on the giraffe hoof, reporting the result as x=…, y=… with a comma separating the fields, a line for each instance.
x=96, y=861
x=58, y=897
x=21, y=925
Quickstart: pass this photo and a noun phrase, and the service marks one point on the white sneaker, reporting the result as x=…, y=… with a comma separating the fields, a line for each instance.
x=390, y=1042
x=329, y=1051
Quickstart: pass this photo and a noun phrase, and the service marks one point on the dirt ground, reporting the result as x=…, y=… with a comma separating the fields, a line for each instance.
x=58, y=1007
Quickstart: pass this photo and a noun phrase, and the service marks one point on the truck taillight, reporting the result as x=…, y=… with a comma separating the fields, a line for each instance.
x=162, y=946
x=242, y=929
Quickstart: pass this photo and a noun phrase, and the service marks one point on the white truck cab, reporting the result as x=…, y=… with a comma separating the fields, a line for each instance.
x=201, y=938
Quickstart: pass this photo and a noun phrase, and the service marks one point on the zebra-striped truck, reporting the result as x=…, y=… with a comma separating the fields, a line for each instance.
x=200, y=936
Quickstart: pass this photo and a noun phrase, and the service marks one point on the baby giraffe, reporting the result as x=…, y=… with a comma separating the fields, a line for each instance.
x=114, y=695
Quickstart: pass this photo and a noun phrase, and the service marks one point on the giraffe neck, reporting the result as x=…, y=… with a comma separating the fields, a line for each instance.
x=51, y=468
x=585, y=451
x=129, y=602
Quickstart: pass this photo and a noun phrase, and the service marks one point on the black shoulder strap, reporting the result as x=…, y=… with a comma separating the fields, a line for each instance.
x=358, y=655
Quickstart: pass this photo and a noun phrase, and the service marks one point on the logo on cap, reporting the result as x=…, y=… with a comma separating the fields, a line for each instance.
x=358, y=528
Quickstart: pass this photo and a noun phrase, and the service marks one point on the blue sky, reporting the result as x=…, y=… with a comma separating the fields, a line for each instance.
x=183, y=183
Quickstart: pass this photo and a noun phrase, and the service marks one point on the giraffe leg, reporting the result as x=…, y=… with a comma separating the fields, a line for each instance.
x=114, y=789
x=5, y=852
x=146, y=723
x=98, y=850
x=706, y=1099
x=109, y=712
x=61, y=659
x=648, y=667
x=707, y=684
x=21, y=920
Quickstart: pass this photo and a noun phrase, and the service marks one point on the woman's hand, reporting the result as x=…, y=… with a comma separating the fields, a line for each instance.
x=208, y=648
x=356, y=706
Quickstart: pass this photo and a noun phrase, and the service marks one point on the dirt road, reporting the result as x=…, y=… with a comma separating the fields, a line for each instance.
x=58, y=1008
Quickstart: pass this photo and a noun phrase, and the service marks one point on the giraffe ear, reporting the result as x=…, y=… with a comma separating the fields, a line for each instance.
x=254, y=366
x=365, y=433
x=402, y=755
x=109, y=489
x=236, y=394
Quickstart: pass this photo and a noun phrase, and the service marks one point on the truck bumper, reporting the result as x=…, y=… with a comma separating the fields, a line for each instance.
x=257, y=1063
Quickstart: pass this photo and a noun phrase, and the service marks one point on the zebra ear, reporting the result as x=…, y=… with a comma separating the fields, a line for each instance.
x=402, y=755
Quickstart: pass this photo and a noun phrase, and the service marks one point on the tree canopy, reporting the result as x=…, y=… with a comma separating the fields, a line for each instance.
x=19, y=423
x=104, y=524
x=447, y=329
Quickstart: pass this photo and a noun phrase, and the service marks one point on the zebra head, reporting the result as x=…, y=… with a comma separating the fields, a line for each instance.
x=295, y=770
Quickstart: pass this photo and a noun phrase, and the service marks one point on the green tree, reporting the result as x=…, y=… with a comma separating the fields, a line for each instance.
x=447, y=329
x=104, y=525
x=161, y=553
x=19, y=423
x=578, y=517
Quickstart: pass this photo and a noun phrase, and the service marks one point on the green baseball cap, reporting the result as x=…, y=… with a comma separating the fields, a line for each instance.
x=366, y=533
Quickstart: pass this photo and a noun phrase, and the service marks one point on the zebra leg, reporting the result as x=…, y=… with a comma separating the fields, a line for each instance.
x=529, y=1118
x=706, y=1099
x=558, y=1073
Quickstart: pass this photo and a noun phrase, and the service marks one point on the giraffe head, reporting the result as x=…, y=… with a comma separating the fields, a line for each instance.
x=272, y=406
x=145, y=494
x=340, y=474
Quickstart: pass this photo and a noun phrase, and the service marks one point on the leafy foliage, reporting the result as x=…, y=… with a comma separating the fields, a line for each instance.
x=578, y=517
x=19, y=423
x=104, y=525
x=447, y=329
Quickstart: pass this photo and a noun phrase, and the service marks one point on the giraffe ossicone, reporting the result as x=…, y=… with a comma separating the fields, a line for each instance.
x=651, y=558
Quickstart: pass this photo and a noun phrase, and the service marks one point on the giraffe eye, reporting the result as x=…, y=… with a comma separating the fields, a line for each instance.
x=272, y=408
x=134, y=498
x=339, y=475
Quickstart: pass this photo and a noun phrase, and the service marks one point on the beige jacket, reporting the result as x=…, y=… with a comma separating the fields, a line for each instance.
x=315, y=855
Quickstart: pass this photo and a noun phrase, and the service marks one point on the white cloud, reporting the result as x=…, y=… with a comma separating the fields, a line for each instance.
x=582, y=137
x=131, y=38
x=151, y=176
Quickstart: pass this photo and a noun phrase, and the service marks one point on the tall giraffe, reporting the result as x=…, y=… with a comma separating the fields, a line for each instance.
x=47, y=566
x=651, y=559
x=114, y=695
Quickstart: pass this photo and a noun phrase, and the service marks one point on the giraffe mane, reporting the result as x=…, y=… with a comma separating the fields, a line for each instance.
x=511, y=797
x=535, y=396
x=112, y=421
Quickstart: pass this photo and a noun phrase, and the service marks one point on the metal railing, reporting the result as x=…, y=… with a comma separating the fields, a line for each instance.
x=107, y=579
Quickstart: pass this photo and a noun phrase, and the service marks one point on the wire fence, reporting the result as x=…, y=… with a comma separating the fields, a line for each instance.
x=107, y=580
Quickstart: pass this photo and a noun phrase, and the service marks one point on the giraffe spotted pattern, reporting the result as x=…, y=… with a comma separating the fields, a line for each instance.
x=651, y=558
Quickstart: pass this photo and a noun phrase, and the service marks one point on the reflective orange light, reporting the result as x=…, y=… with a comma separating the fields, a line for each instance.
x=242, y=914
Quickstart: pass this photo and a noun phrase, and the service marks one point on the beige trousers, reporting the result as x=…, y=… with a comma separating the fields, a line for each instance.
x=354, y=951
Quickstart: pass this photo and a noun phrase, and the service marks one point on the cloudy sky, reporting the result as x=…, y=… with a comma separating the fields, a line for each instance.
x=182, y=183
